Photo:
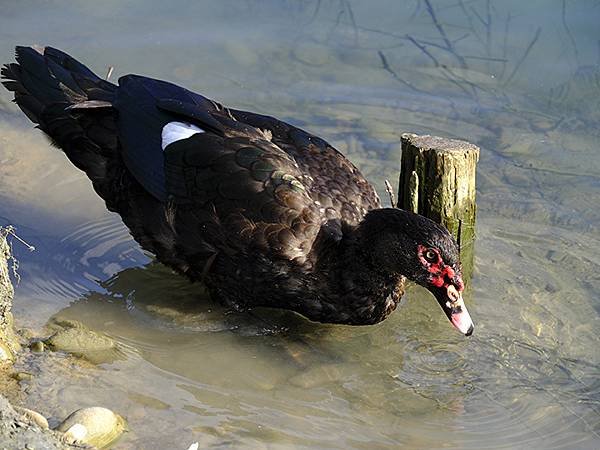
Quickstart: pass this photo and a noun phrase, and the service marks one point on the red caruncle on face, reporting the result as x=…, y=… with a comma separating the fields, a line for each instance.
x=442, y=275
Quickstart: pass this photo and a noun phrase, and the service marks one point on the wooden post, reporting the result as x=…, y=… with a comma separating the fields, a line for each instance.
x=437, y=180
x=9, y=343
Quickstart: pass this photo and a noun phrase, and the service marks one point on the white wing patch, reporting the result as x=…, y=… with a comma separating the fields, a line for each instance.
x=176, y=131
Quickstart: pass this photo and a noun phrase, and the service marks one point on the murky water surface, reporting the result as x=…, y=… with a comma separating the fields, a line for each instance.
x=520, y=79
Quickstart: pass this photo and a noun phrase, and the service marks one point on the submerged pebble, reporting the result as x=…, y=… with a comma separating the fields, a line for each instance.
x=22, y=376
x=96, y=426
x=33, y=416
x=37, y=346
x=73, y=337
x=78, y=340
x=322, y=374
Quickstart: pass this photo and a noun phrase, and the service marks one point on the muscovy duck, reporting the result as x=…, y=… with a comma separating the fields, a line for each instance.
x=264, y=213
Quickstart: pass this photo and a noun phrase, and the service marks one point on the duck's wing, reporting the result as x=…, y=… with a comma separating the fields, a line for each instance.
x=337, y=184
x=189, y=151
x=141, y=121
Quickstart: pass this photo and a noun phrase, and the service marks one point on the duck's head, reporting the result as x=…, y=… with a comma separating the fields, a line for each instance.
x=402, y=242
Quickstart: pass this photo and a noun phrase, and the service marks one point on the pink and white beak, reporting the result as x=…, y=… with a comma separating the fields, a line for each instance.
x=453, y=305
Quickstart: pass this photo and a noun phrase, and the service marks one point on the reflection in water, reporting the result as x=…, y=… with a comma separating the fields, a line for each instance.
x=517, y=79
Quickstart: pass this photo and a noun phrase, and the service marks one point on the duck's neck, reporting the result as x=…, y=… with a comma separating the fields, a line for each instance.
x=358, y=292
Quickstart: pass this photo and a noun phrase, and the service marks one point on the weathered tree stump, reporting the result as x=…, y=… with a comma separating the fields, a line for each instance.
x=8, y=340
x=437, y=180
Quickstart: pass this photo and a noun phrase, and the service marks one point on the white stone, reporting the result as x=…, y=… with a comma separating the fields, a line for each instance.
x=95, y=426
x=76, y=433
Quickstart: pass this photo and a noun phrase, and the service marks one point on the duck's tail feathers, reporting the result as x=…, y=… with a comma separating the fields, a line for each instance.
x=69, y=103
x=44, y=76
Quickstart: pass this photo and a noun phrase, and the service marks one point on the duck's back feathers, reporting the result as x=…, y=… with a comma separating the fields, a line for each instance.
x=336, y=184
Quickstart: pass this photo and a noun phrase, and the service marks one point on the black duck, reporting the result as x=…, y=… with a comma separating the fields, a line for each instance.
x=264, y=213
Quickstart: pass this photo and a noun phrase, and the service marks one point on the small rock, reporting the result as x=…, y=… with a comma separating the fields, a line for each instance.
x=95, y=426
x=26, y=333
x=22, y=376
x=33, y=416
x=80, y=341
x=322, y=374
x=77, y=433
x=37, y=346
x=5, y=353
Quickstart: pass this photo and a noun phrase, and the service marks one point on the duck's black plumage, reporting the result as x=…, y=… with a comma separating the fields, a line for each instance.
x=261, y=211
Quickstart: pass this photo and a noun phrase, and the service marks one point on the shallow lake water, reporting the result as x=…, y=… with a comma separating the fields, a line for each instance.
x=519, y=79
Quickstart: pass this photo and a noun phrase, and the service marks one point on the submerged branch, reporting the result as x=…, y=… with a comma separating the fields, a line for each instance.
x=315, y=12
x=564, y=21
x=487, y=24
x=443, y=34
x=387, y=68
x=525, y=54
x=423, y=49
x=463, y=7
x=12, y=231
x=454, y=79
x=352, y=20
x=505, y=44
x=486, y=58
x=4, y=232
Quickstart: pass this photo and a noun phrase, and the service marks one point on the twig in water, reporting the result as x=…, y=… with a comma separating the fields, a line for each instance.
x=505, y=44
x=487, y=24
x=338, y=20
x=383, y=33
x=5, y=231
x=486, y=58
x=345, y=9
x=416, y=11
x=527, y=50
x=315, y=13
x=387, y=68
x=473, y=86
x=462, y=6
x=352, y=21
x=454, y=79
x=488, y=28
x=423, y=49
x=12, y=231
x=444, y=36
x=390, y=191
x=564, y=21
x=460, y=38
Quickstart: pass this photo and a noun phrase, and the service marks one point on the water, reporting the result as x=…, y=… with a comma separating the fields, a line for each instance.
x=520, y=79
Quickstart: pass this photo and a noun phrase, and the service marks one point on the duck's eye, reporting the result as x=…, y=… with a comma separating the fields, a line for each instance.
x=431, y=255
